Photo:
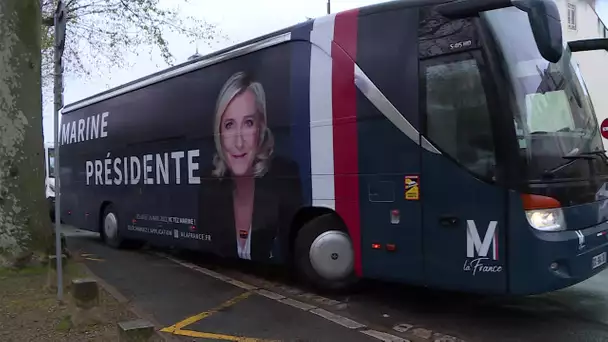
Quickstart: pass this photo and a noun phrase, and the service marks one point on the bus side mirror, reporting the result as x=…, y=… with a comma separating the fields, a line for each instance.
x=546, y=27
x=543, y=16
x=588, y=44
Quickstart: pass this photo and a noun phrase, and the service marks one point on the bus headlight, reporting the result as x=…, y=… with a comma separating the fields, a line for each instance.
x=549, y=220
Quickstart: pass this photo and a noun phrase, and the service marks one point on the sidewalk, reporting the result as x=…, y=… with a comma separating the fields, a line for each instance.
x=192, y=306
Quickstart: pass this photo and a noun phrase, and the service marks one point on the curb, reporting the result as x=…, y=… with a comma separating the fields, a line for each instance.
x=134, y=309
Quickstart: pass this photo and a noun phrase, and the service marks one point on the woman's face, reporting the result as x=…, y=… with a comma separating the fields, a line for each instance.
x=239, y=130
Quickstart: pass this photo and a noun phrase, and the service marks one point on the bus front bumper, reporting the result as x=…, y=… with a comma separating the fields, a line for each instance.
x=559, y=260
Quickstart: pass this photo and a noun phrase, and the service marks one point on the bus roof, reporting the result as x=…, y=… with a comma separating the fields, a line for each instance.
x=245, y=47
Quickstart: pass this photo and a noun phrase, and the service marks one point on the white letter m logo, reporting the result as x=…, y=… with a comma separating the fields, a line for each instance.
x=474, y=244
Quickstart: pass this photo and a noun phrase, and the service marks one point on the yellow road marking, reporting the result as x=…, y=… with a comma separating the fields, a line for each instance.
x=191, y=333
x=175, y=328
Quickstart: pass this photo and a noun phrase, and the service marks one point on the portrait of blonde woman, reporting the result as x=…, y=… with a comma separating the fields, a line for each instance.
x=249, y=195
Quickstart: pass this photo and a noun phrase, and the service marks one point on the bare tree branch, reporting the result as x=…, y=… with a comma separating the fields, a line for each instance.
x=101, y=33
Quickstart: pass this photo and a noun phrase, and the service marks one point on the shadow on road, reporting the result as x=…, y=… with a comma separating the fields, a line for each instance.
x=578, y=313
x=560, y=314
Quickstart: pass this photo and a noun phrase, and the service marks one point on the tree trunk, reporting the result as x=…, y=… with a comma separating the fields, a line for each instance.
x=24, y=218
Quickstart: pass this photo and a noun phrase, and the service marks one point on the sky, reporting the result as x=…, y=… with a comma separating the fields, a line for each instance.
x=238, y=19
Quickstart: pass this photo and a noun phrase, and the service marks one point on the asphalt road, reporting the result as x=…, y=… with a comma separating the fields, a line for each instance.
x=575, y=314
x=579, y=313
x=191, y=306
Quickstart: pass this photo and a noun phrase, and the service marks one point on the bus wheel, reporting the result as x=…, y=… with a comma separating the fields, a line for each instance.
x=109, y=230
x=324, y=254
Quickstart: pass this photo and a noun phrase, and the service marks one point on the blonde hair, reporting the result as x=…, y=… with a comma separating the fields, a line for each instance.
x=237, y=84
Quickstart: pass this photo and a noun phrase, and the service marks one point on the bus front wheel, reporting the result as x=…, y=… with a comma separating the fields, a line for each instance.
x=324, y=254
x=109, y=227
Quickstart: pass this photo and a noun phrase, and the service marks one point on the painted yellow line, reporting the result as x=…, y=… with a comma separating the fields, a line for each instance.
x=191, y=333
x=170, y=329
x=94, y=259
x=193, y=319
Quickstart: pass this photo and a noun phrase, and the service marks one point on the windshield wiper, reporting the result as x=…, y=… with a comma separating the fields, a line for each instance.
x=600, y=153
x=571, y=160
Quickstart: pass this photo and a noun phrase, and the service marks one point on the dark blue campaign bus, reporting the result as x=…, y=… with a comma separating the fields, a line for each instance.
x=448, y=144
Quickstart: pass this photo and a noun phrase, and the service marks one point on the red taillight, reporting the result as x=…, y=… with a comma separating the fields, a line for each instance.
x=376, y=246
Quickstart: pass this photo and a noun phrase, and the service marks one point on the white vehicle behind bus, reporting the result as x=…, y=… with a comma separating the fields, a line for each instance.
x=49, y=177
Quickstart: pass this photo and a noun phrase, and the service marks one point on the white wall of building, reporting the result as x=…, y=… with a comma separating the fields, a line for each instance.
x=580, y=21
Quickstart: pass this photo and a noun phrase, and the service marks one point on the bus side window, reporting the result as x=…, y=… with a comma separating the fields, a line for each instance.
x=457, y=115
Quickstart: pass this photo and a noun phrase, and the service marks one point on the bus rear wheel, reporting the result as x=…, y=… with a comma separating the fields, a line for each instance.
x=109, y=227
x=324, y=254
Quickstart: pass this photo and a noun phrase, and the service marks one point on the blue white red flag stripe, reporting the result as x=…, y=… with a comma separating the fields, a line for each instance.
x=344, y=101
x=333, y=111
x=321, y=131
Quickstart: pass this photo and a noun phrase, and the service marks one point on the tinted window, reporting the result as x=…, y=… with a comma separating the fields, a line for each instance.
x=458, y=120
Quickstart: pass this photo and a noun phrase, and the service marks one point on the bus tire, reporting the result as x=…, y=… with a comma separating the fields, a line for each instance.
x=324, y=254
x=110, y=227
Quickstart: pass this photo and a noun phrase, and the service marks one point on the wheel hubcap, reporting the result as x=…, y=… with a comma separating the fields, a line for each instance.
x=331, y=255
x=110, y=225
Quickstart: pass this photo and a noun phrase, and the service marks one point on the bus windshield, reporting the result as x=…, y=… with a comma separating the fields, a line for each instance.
x=553, y=115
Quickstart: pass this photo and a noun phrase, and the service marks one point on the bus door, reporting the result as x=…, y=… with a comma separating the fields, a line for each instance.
x=464, y=211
